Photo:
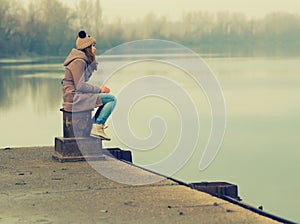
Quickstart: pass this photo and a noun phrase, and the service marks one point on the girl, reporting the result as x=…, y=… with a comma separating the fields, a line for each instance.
x=78, y=95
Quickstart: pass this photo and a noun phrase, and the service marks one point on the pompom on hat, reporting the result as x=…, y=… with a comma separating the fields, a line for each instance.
x=83, y=40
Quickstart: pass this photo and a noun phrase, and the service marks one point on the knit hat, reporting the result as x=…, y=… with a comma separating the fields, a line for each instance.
x=83, y=40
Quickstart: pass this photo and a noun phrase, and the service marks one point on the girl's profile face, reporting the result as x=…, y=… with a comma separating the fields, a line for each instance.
x=94, y=48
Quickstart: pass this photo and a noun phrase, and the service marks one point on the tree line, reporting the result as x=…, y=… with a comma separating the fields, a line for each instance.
x=49, y=27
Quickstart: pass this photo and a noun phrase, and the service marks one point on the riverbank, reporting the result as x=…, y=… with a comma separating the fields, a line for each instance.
x=35, y=189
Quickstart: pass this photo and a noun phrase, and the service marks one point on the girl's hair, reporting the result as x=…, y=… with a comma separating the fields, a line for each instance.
x=90, y=55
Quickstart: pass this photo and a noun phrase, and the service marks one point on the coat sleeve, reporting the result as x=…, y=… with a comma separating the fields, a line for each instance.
x=78, y=69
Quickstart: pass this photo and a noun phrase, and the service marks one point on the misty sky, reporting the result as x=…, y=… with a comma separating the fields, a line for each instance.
x=132, y=9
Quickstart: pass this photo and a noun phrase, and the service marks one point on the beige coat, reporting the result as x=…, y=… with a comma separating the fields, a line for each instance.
x=78, y=95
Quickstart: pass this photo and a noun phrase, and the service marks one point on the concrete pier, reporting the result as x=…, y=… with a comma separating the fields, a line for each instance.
x=35, y=189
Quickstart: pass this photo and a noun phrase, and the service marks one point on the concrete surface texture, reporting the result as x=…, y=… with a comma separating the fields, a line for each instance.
x=35, y=189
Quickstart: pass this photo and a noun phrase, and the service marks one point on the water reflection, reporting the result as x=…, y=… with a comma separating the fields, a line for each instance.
x=38, y=83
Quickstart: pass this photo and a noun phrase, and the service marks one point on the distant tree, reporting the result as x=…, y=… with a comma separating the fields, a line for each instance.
x=56, y=18
x=280, y=27
x=112, y=34
x=34, y=30
x=84, y=16
x=10, y=24
x=196, y=26
x=98, y=23
x=87, y=16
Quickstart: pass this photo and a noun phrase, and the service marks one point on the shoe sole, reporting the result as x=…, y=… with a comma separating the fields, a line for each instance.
x=98, y=136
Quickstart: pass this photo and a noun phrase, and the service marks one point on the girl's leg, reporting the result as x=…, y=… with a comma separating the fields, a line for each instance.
x=109, y=103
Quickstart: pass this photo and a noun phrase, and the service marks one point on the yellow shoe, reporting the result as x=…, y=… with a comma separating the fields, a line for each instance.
x=98, y=131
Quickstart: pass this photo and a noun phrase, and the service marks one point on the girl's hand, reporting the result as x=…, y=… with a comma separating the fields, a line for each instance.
x=105, y=89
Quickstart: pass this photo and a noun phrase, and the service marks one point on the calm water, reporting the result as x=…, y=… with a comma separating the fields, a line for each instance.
x=260, y=151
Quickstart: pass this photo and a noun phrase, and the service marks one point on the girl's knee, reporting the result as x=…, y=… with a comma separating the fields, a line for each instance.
x=114, y=99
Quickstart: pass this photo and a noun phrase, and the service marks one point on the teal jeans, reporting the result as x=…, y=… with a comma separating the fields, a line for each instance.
x=103, y=112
